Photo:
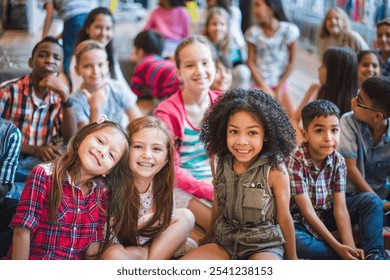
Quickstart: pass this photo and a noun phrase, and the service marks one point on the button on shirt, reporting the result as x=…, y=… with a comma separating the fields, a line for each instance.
x=318, y=184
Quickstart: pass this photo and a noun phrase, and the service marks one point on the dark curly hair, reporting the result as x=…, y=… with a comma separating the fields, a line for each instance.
x=279, y=133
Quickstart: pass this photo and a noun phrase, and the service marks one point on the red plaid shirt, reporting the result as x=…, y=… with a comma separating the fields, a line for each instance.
x=319, y=185
x=80, y=219
x=37, y=119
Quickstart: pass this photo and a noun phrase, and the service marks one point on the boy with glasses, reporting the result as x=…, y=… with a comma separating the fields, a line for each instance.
x=365, y=141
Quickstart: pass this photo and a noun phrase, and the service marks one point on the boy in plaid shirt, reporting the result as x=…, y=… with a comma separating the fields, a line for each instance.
x=39, y=105
x=319, y=204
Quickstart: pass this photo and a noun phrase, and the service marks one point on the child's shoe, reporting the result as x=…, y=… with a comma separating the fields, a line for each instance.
x=377, y=254
x=186, y=248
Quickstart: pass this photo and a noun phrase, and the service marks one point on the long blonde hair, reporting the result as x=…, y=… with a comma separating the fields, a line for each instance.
x=224, y=45
x=344, y=18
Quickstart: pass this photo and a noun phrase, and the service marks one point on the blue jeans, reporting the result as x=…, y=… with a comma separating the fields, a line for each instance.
x=365, y=210
x=71, y=28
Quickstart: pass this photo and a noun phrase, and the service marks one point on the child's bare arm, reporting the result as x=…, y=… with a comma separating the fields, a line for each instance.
x=256, y=75
x=280, y=185
x=215, y=212
x=21, y=244
x=343, y=222
x=92, y=251
x=292, y=50
x=356, y=176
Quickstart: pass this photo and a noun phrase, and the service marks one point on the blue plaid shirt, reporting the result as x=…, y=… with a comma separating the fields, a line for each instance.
x=10, y=145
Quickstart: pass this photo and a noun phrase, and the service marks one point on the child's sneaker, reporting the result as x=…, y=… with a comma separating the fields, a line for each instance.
x=186, y=248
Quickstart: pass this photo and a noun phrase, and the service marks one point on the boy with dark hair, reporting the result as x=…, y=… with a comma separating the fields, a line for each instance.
x=365, y=141
x=39, y=105
x=319, y=204
x=159, y=75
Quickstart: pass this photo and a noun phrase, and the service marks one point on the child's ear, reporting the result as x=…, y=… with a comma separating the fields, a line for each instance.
x=30, y=62
x=304, y=134
x=76, y=69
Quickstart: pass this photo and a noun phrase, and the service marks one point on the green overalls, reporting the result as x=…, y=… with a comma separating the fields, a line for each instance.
x=247, y=222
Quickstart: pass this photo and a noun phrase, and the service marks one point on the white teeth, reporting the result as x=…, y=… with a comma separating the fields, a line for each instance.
x=146, y=164
x=243, y=151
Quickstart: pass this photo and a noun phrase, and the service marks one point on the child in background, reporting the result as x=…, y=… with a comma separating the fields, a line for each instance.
x=183, y=113
x=235, y=19
x=250, y=135
x=61, y=211
x=272, y=44
x=99, y=25
x=365, y=141
x=217, y=31
x=159, y=75
x=319, y=204
x=144, y=218
x=223, y=74
x=336, y=31
x=172, y=21
x=337, y=77
x=38, y=104
x=368, y=65
x=73, y=13
x=383, y=41
x=99, y=93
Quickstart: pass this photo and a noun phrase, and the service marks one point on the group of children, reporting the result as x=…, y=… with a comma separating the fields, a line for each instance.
x=225, y=161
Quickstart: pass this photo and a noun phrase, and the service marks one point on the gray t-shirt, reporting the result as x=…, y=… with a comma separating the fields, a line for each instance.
x=118, y=101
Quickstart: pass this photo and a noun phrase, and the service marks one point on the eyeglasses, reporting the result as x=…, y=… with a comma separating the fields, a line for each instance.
x=361, y=105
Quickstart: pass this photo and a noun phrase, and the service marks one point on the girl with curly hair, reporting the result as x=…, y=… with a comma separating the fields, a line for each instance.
x=250, y=136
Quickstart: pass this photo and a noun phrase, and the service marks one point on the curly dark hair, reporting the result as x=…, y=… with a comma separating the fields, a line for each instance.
x=279, y=133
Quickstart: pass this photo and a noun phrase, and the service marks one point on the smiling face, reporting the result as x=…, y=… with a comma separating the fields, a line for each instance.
x=47, y=60
x=102, y=29
x=368, y=67
x=245, y=139
x=93, y=67
x=323, y=136
x=148, y=153
x=217, y=28
x=100, y=151
x=334, y=23
x=197, y=68
x=223, y=78
x=383, y=38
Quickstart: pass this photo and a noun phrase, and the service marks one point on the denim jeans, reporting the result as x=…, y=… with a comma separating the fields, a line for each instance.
x=7, y=211
x=71, y=28
x=365, y=209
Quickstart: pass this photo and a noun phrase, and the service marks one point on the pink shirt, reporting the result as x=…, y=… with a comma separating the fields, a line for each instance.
x=173, y=24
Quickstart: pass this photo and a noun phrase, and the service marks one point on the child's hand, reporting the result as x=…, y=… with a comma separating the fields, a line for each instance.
x=386, y=206
x=349, y=253
x=47, y=153
x=97, y=98
x=54, y=83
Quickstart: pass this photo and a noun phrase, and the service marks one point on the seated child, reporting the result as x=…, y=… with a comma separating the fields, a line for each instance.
x=223, y=73
x=39, y=105
x=382, y=37
x=159, y=75
x=365, y=141
x=319, y=204
x=10, y=145
x=100, y=94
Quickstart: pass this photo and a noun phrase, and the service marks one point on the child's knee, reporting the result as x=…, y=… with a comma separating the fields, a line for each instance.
x=185, y=217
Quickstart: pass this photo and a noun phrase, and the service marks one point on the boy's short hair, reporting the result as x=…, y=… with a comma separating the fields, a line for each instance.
x=318, y=108
x=385, y=21
x=150, y=42
x=378, y=90
x=46, y=39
